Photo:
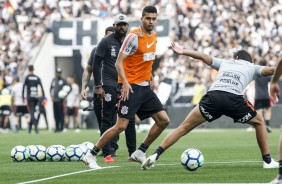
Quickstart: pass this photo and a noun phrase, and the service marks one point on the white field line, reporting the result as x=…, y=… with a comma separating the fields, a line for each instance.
x=68, y=174
x=89, y=170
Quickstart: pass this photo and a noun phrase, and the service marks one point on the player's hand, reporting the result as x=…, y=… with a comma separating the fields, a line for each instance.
x=83, y=94
x=274, y=92
x=126, y=89
x=152, y=84
x=100, y=91
x=176, y=48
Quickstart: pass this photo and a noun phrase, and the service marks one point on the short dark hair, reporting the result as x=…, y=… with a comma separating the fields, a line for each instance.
x=149, y=9
x=244, y=55
x=30, y=68
x=111, y=28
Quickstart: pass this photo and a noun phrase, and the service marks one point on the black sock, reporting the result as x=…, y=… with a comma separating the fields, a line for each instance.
x=95, y=151
x=266, y=158
x=143, y=147
x=280, y=169
x=267, y=122
x=159, y=151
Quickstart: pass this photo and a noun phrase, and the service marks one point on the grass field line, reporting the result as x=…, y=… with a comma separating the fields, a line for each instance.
x=68, y=174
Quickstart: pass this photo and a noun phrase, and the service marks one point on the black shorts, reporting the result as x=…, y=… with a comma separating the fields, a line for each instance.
x=217, y=103
x=143, y=102
x=20, y=110
x=261, y=104
x=72, y=111
x=5, y=110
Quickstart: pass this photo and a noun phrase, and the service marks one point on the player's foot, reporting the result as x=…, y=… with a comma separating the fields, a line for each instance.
x=273, y=164
x=150, y=162
x=109, y=159
x=268, y=128
x=90, y=160
x=277, y=180
x=138, y=156
x=77, y=130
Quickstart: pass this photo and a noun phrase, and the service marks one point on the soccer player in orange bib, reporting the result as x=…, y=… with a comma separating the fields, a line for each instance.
x=134, y=67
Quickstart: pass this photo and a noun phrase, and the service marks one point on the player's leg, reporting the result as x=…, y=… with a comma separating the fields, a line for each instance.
x=161, y=121
x=130, y=136
x=267, y=117
x=193, y=119
x=261, y=135
x=90, y=158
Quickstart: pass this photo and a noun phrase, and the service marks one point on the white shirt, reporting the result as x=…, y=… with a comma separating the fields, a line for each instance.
x=73, y=97
x=17, y=94
x=234, y=75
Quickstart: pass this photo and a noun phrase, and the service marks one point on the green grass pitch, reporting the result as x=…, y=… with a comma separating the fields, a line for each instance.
x=231, y=156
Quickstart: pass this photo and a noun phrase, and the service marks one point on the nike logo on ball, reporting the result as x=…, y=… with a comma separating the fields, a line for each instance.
x=150, y=45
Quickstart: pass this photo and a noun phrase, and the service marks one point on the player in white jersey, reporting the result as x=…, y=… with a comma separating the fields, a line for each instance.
x=223, y=98
x=73, y=104
x=19, y=106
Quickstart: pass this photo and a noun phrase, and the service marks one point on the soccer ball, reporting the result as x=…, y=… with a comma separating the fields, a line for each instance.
x=84, y=149
x=66, y=88
x=62, y=94
x=74, y=153
x=19, y=154
x=89, y=145
x=37, y=152
x=192, y=159
x=84, y=104
x=55, y=153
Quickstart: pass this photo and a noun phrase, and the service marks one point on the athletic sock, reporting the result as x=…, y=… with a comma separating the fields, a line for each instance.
x=143, y=147
x=267, y=122
x=95, y=151
x=159, y=151
x=280, y=170
x=266, y=158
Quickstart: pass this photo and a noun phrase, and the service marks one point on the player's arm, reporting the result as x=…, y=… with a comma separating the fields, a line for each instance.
x=129, y=46
x=266, y=71
x=86, y=75
x=274, y=87
x=24, y=85
x=41, y=86
x=278, y=72
x=194, y=54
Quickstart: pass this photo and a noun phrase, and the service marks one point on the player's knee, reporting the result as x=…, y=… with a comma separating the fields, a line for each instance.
x=164, y=121
x=120, y=128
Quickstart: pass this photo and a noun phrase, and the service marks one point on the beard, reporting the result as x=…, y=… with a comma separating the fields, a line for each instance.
x=121, y=34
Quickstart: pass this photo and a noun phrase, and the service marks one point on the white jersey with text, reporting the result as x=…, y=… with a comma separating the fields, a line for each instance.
x=234, y=75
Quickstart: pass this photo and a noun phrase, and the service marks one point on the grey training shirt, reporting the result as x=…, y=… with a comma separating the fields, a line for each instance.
x=234, y=75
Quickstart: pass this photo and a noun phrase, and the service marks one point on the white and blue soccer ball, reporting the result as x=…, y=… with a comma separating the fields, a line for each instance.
x=37, y=152
x=89, y=145
x=192, y=159
x=84, y=149
x=74, y=153
x=19, y=153
x=55, y=153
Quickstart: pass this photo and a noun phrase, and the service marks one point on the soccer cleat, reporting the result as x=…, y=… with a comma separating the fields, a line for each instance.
x=250, y=129
x=273, y=164
x=150, y=162
x=109, y=159
x=276, y=181
x=90, y=160
x=138, y=156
